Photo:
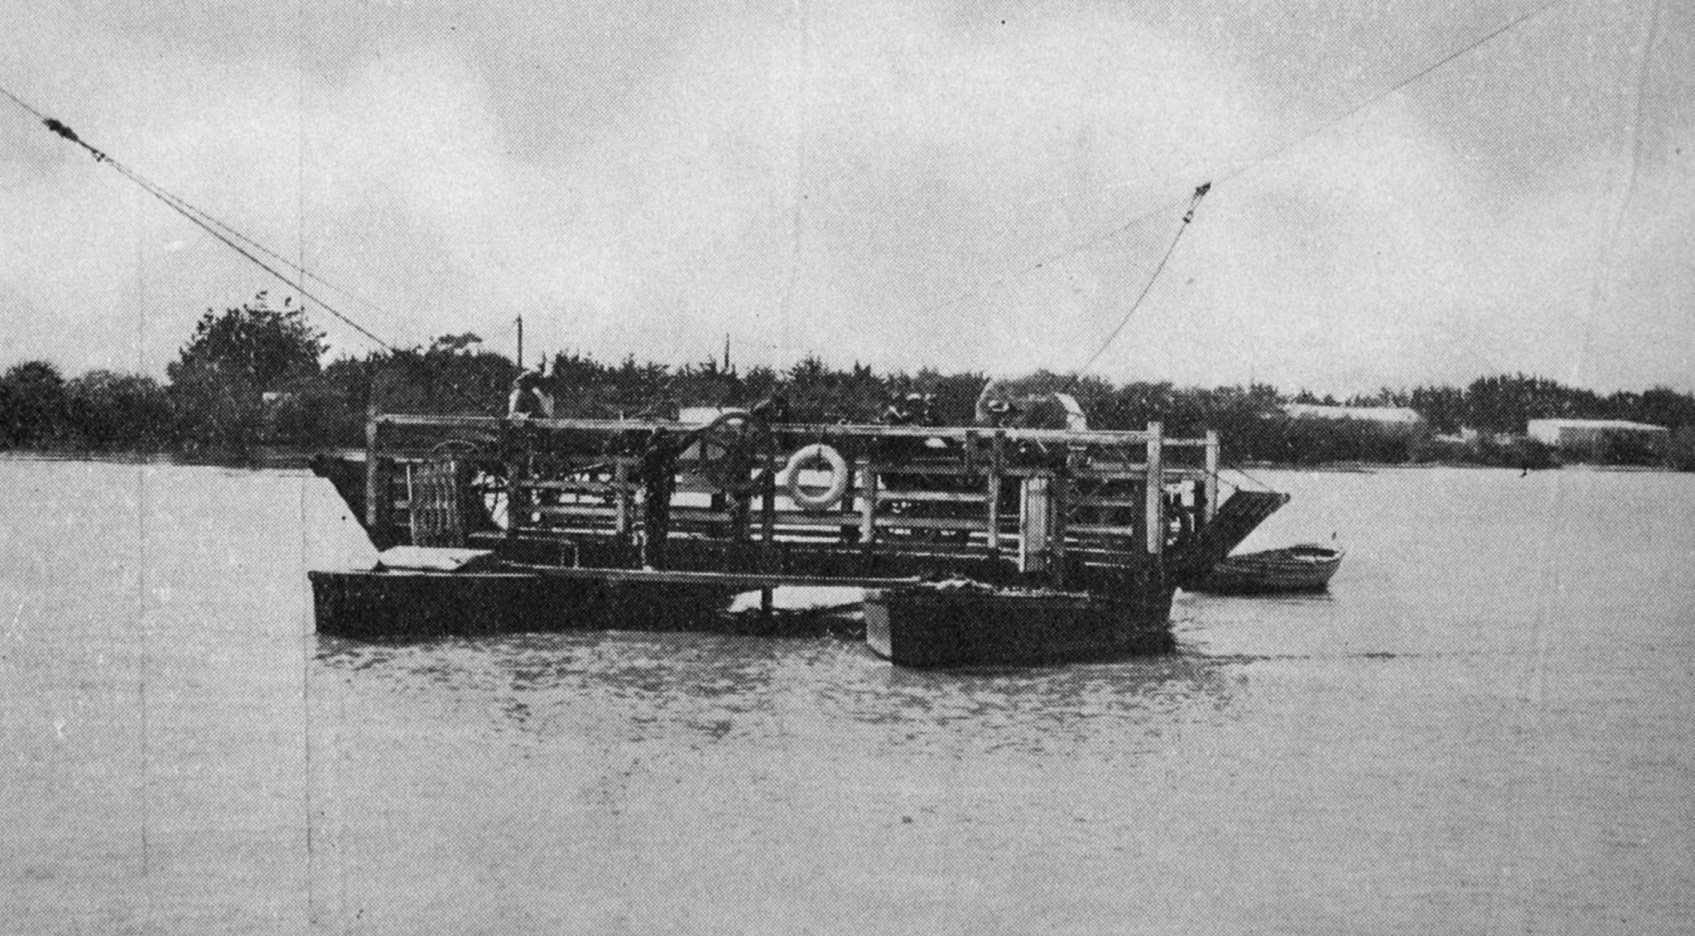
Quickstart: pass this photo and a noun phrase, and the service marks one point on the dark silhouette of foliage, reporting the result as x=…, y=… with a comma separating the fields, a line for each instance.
x=109, y=411
x=252, y=375
x=32, y=406
x=221, y=377
x=1680, y=452
x=260, y=347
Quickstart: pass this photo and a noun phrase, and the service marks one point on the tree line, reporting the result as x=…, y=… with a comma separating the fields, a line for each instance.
x=254, y=376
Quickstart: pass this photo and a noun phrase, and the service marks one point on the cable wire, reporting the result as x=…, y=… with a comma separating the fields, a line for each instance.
x=1188, y=216
x=199, y=218
x=1251, y=164
x=228, y=236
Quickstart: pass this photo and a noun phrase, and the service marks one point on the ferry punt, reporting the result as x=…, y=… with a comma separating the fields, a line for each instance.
x=972, y=545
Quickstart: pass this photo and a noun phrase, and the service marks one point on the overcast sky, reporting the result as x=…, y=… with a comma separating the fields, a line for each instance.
x=876, y=181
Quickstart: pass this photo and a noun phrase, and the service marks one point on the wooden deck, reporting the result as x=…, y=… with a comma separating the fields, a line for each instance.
x=1041, y=502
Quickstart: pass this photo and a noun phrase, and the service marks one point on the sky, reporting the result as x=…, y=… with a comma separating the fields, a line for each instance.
x=963, y=185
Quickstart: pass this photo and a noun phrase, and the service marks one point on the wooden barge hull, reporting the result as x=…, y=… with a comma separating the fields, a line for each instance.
x=383, y=604
x=510, y=597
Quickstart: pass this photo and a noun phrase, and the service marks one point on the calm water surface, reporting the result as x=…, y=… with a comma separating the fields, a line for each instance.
x=1487, y=727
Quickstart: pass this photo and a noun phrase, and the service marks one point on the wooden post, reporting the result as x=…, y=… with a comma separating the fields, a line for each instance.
x=867, y=502
x=1156, y=491
x=997, y=453
x=1035, y=513
x=767, y=522
x=1061, y=507
x=404, y=476
x=1209, y=486
x=621, y=479
x=376, y=481
x=517, y=501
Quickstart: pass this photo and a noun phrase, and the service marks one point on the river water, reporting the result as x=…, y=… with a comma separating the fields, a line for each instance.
x=1488, y=726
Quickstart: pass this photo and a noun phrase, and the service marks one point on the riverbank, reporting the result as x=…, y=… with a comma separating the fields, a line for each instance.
x=222, y=414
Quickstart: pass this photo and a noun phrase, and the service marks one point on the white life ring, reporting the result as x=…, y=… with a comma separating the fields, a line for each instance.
x=809, y=499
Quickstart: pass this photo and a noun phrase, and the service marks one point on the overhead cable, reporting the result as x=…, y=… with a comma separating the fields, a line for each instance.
x=1236, y=172
x=219, y=230
x=1188, y=216
x=227, y=235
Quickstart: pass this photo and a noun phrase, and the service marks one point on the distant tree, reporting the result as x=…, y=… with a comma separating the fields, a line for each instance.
x=112, y=411
x=32, y=405
x=462, y=376
x=1680, y=451
x=259, y=346
x=708, y=383
x=758, y=383
x=574, y=371
x=1444, y=408
x=462, y=343
x=233, y=358
x=817, y=392
x=1664, y=406
x=1504, y=403
x=453, y=375
x=253, y=374
x=808, y=372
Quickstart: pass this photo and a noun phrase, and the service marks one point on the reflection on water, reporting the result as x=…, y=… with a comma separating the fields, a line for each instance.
x=644, y=687
x=1484, y=727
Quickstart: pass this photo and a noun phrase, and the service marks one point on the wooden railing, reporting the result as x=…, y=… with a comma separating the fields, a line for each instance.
x=1090, y=497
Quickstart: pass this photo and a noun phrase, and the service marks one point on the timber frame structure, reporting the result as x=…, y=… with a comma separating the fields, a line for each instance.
x=1009, y=507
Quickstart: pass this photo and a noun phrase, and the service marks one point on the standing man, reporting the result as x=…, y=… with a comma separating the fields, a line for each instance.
x=529, y=396
x=658, y=473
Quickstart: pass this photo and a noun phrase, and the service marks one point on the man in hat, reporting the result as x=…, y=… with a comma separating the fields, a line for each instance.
x=529, y=396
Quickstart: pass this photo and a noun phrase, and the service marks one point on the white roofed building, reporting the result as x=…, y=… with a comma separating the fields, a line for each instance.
x=1588, y=433
x=1396, y=418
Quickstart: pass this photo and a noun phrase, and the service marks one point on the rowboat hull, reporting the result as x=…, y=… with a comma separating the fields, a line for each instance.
x=927, y=626
x=1305, y=568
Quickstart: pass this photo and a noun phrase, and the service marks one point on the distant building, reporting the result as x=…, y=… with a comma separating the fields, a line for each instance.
x=1592, y=433
x=700, y=415
x=1394, y=418
x=1465, y=436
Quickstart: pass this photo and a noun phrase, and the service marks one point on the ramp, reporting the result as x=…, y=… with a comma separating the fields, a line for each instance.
x=1236, y=519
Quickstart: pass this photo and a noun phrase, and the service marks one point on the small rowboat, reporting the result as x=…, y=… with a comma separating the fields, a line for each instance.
x=1307, y=567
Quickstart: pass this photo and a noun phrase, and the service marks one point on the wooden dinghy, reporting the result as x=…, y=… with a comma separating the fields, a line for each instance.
x=962, y=623
x=1303, y=568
